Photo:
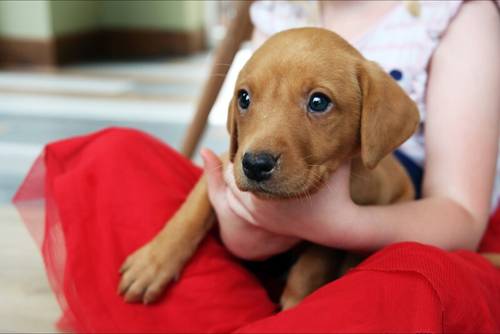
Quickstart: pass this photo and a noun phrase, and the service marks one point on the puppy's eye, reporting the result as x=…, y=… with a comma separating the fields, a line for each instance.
x=243, y=99
x=318, y=103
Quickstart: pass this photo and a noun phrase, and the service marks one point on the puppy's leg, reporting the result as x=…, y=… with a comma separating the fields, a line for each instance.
x=387, y=183
x=148, y=270
x=316, y=266
x=493, y=258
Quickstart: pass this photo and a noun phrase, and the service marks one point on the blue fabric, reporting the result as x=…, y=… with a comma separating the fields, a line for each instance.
x=415, y=172
x=396, y=74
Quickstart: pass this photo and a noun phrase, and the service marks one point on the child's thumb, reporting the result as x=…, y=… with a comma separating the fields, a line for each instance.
x=213, y=172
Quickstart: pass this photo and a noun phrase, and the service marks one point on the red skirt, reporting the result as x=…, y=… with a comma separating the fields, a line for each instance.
x=90, y=201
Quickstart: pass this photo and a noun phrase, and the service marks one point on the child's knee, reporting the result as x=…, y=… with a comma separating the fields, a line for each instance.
x=429, y=262
x=120, y=143
x=118, y=138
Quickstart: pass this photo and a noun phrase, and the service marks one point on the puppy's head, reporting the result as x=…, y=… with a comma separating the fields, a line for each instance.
x=304, y=103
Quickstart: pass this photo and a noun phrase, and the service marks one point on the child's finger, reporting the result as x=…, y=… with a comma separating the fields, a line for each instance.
x=213, y=172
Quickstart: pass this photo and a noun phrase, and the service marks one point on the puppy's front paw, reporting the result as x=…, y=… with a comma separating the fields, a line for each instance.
x=146, y=273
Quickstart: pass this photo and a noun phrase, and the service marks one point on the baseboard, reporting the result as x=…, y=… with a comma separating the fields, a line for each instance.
x=151, y=43
x=101, y=44
x=27, y=52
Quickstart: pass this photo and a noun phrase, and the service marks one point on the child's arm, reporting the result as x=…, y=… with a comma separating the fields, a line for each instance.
x=461, y=133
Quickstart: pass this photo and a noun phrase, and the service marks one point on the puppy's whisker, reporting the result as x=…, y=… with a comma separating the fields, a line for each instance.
x=308, y=198
x=218, y=75
x=330, y=188
x=307, y=157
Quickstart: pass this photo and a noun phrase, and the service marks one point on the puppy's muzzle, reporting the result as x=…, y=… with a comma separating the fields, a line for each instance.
x=258, y=166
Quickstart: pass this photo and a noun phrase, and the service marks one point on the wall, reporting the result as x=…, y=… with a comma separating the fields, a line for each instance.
x=74, y=16
x=25, y=19
x=42, y=19
x=43, y=32
x=151, y=14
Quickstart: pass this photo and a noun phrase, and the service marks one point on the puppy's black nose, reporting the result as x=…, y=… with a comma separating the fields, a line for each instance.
x=258, y=166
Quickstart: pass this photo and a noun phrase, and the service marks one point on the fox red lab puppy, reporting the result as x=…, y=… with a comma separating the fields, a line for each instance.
x=304, y=103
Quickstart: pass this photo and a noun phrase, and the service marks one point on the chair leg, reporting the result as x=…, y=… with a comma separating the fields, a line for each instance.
x=239, y=30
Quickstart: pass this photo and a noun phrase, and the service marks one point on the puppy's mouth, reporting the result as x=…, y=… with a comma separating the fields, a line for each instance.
x=282, y=186
x=264, y=191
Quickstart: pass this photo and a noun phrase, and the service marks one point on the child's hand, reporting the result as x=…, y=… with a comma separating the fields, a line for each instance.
x=322, y=217
x=242, y=238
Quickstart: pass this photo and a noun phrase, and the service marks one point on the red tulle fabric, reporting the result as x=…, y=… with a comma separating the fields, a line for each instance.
x=90, y=201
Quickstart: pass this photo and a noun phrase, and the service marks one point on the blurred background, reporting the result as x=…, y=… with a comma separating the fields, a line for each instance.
x=69, y=67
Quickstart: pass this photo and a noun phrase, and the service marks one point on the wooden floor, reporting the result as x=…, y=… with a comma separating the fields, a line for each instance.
x=28, y=304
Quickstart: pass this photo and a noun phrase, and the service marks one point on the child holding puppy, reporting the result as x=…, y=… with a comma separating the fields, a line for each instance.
x=445, y=56
x=425, y=53
x=105, y=196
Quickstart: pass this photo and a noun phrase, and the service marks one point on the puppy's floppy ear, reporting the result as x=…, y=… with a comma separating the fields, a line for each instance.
x=233, y=131
x=388, y=115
